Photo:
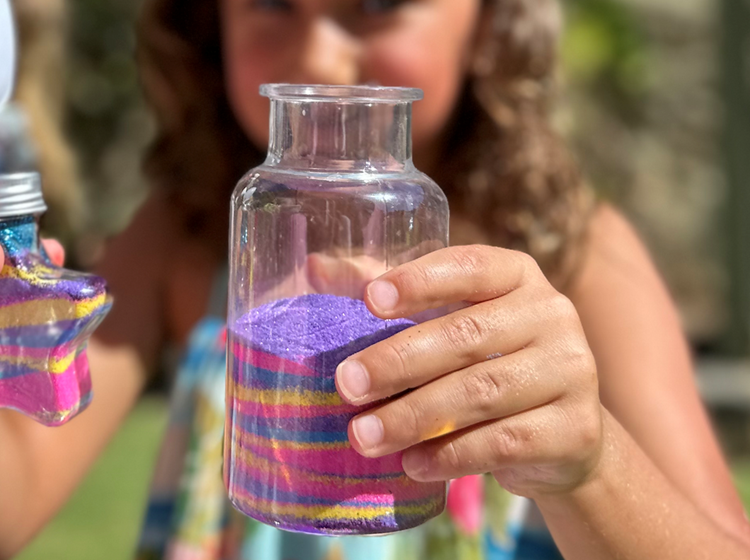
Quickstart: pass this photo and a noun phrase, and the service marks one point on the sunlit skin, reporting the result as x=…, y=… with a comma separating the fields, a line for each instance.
x=426, y=44
x=584, y=401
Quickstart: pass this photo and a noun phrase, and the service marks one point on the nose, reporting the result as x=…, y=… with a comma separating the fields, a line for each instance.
x=330, y=55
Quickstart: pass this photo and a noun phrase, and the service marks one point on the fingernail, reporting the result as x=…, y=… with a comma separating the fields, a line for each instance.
x=353, y=380
x=415, y=463
x=383, y=295
x=368, y=430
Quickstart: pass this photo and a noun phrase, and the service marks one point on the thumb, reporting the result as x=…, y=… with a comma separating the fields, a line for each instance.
x=342, y=276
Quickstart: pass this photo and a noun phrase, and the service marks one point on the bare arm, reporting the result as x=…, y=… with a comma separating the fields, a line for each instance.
x=662, y=489
x=42, y=466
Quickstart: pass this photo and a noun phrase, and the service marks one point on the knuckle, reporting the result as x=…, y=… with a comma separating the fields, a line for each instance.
x=529, y=265
x=483, y=388
x=408, y=422
x=582, y=426
x=450, y=457
x=587, y=434
x=463, y=332
x=560, y=306
x=397, y=355
x=470, y=259
x=412, y=278
x=584, y=364
x=508, y=441
x=590, y=432
x=580, y=366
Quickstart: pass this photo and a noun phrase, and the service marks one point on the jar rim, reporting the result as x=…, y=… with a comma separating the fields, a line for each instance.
x=337, y=94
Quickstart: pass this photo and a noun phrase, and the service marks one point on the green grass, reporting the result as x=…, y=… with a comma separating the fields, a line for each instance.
x=741, y=471
x=102, y=520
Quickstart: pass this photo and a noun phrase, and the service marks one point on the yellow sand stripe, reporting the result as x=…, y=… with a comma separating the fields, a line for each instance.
x=243, y=438
x=86, y=307
x=299, y=397
x=333, y=512
x=38, y=274
x=39, y=312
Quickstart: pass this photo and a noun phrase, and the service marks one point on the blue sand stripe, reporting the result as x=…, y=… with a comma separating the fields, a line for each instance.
x=9, y=372
x=247, y=375
x=43, y=336
x=338, y=423
x=256, y=426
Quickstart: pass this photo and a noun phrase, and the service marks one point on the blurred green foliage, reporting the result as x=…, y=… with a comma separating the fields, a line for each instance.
x=103, y=82
x=604, y=50
x=102, y=520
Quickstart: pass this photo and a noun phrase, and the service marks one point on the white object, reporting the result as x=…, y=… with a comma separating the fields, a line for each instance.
x=7, y=51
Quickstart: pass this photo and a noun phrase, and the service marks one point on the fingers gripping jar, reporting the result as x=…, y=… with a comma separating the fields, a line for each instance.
x=337, y=203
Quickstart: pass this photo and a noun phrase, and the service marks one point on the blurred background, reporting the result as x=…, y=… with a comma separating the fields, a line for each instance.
x=655, y=101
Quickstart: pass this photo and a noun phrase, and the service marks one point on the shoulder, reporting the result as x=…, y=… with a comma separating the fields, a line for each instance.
x=615, y=256
x=624, y=304
x=644, y=363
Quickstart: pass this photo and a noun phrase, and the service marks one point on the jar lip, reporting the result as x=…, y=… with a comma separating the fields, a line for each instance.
x=333, y=93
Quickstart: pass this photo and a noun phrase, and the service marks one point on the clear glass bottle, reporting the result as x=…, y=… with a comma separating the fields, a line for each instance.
x=47, y=314
x=337, y=203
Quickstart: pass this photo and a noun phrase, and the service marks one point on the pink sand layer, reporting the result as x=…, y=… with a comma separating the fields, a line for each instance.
x=39, y=392
x=269, y=361
x=341, y=460
x=287, y=480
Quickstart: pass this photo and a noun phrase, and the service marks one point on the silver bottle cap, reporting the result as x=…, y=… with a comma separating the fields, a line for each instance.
x=21, y=194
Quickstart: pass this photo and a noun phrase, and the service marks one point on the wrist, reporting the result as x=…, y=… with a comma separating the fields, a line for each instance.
x=600, y=468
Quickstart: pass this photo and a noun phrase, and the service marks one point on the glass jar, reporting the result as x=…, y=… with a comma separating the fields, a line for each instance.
x=47, y=314
x=337, y=203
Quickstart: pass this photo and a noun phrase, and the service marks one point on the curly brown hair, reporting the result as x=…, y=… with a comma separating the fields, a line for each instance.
x=504, y=169
x=42, y=34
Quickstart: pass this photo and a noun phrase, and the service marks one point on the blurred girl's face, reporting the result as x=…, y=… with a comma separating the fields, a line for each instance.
x=413, y=43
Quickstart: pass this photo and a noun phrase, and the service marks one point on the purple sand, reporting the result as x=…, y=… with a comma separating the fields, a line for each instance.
x=318, y=330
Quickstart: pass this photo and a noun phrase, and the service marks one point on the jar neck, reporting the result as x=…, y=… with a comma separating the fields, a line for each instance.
x=372, y=137
x=19, y=234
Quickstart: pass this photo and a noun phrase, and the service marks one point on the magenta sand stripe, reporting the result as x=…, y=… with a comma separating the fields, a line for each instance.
x=263, y=360
x=332, y=461
x=42, y=392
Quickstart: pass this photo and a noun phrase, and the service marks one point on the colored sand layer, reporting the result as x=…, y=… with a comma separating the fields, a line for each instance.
x=46, y=317
x=289, y=462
